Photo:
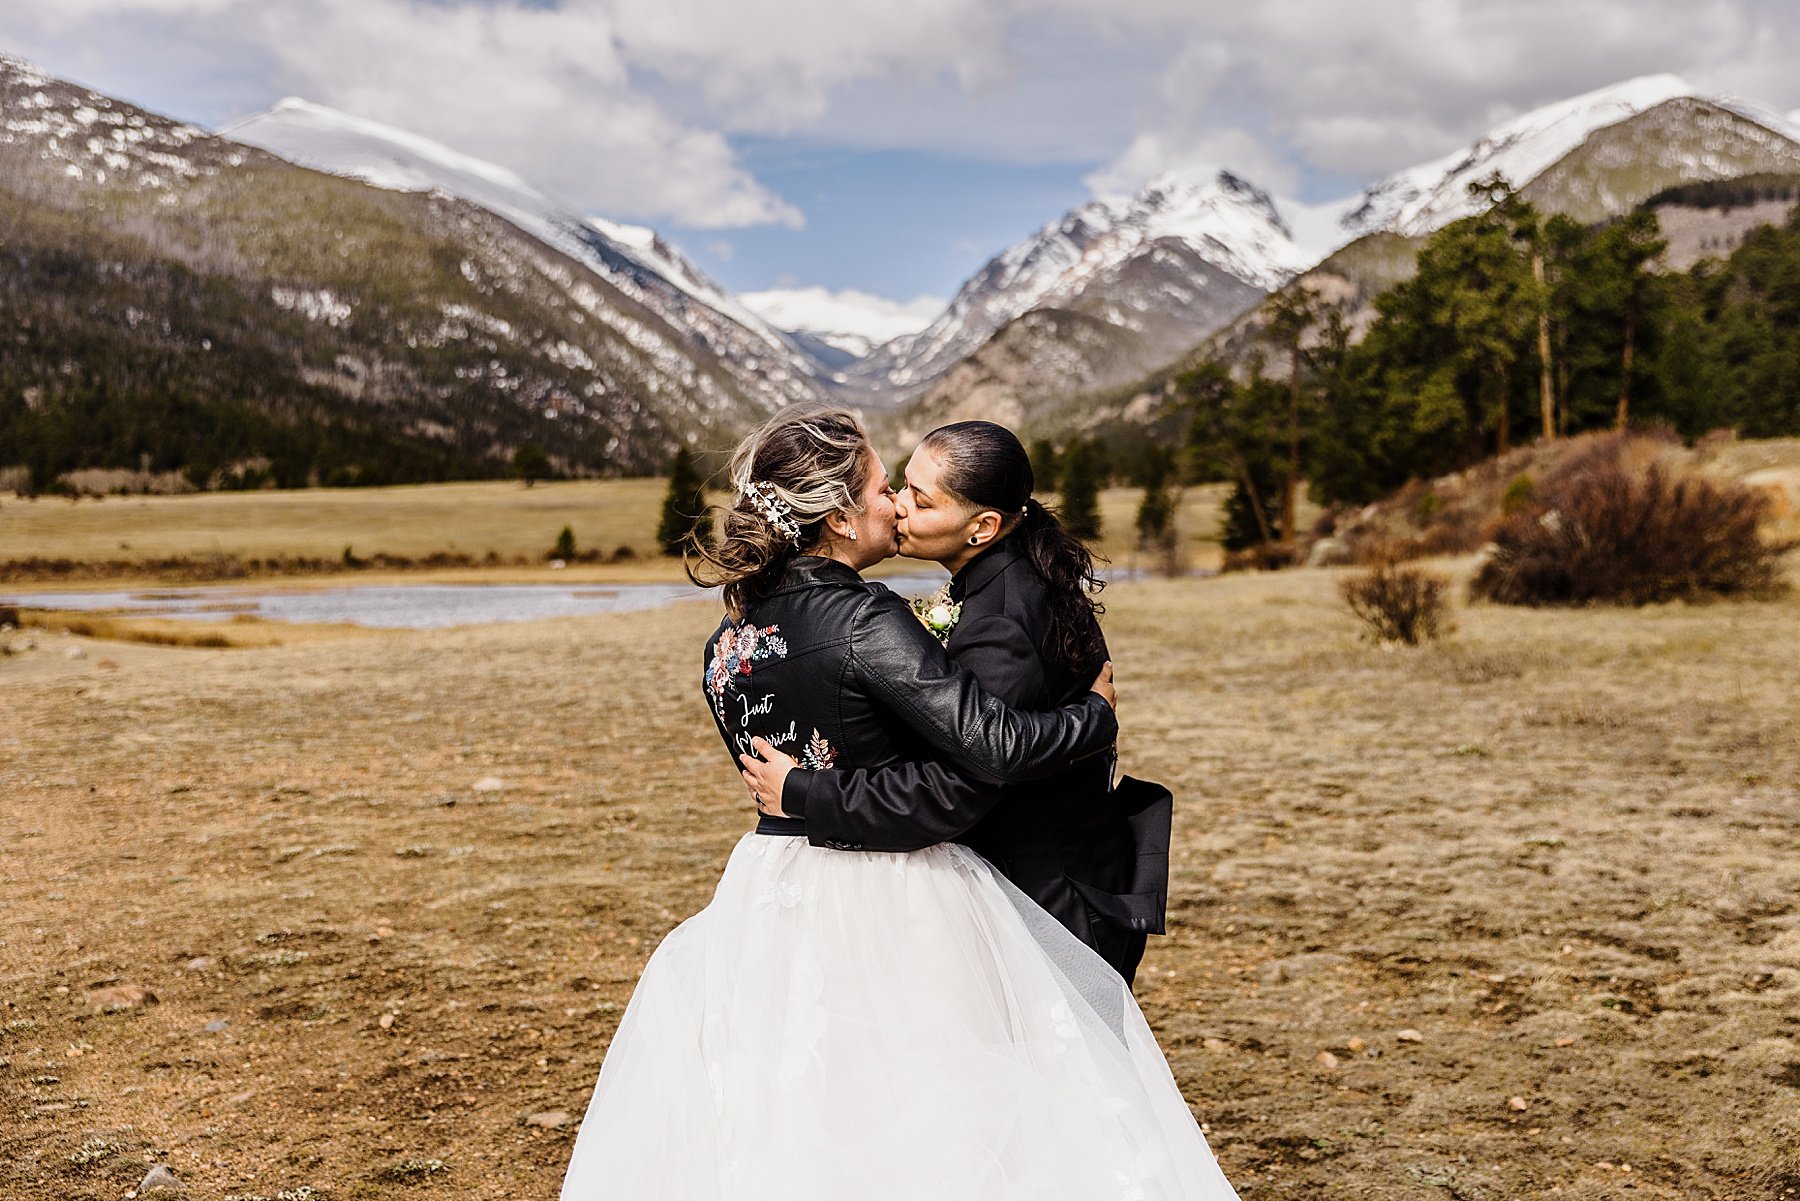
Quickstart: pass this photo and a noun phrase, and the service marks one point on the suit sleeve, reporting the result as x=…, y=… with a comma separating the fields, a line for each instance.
x=903, y=668
x=908, y=806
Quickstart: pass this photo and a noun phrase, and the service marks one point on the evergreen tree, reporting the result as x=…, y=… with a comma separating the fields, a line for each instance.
x=1156, y=512
x=1043, y=464
x=565, y=545
x=1230, y=437
x=1292, y=313
x=683, y=505
x=1080, y=495
x=1246, y=522
x=530, y=463
x=1624, y=250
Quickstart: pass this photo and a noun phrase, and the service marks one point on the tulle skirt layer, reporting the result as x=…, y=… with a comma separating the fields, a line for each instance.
x=845, y=1026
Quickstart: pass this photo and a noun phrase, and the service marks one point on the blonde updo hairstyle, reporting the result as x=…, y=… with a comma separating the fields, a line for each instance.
x=813, y=462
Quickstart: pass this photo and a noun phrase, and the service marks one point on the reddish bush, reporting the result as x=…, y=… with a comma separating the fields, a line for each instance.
x=1621, y=524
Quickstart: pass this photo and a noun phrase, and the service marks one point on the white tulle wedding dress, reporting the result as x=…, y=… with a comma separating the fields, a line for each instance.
x=849, y=1026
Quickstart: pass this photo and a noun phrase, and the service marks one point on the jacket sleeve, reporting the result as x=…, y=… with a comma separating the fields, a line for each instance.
x=903, y=668
x=909, y=806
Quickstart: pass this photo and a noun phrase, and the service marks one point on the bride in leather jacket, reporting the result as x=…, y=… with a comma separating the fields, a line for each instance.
x=876, y=1026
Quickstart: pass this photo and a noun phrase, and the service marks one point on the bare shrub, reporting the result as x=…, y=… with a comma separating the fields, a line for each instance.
x=1272, y=557
x=1623, y=523
x=1399, y=604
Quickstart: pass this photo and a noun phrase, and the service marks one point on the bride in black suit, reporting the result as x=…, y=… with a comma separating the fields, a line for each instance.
x=842, y=1025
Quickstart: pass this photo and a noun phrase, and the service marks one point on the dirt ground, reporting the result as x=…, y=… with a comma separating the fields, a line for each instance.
x=1513, y=917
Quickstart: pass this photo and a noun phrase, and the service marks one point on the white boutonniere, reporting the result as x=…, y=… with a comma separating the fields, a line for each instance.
x=938, y=613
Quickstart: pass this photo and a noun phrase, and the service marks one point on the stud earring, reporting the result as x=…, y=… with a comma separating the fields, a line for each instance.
x=974, y=542
x=853, y=535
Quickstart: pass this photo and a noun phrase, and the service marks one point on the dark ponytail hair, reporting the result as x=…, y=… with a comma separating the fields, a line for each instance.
x=985, y=465
x=802, y=466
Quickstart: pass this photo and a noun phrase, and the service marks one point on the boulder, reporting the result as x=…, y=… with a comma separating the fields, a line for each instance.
x=1781, y=485
x=160, y=1183
x=1329, y=552
x=119, y=998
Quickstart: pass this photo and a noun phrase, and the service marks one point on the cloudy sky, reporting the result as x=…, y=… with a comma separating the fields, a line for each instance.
x=892, y=147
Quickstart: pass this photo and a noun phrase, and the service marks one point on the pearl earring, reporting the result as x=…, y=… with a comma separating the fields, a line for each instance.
x=853, y=535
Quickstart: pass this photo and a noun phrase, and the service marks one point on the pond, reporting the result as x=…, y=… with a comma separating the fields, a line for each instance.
x=398, y=606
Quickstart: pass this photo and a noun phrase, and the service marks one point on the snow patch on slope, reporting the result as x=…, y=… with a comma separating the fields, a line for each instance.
x=339, y=143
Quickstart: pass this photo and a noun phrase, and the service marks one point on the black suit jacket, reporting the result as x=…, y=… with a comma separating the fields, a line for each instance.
x=1095, y=858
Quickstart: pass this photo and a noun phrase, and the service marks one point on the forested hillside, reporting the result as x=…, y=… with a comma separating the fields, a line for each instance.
x=174, y=302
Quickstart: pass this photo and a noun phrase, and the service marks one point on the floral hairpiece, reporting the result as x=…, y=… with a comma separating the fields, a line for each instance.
x=763, y=498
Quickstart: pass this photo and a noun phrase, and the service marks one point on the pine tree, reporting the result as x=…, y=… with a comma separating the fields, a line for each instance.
x=565, y=545
x=1292, y=313
x=1231, y=437
x=1080, y=495
x=1043, y=464
x=683, y=505
x=1156, y=512
x=530, y=463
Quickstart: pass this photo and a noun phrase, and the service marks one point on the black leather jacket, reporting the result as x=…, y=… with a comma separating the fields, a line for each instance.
x=837, y=672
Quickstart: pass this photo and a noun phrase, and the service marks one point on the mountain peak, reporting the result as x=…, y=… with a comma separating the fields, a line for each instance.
x=1433, y=194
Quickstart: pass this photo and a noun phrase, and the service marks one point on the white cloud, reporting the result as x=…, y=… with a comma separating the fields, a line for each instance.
x=773, y=65
x=545, y=91
x=1364, y=89
x=625, y=106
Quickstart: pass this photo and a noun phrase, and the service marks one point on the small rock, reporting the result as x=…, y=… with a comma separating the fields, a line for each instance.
x=1215, y=1044
x=217, y=1026
x=1565, y=1042
x=160, y=1181
x=75, y=652
x=1356, y=1044
x=555, y=1119
x=385, y=1021
x=1328, y=1061
x=1517, y=1104
x=1299, y=967
x=488, y=784
x=107, y=665
x=1409, y=1036
x=120, y=997
x=200, y=963
x=1329, y=552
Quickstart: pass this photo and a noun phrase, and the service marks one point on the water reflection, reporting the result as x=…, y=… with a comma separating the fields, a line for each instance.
x=399, y=606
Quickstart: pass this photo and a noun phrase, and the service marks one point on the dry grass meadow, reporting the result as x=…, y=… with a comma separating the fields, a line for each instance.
x=134, y=537
x=1514, y=916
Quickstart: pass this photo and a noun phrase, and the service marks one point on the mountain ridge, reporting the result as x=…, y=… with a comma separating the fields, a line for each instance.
x=1593, y=155
x=203, y=306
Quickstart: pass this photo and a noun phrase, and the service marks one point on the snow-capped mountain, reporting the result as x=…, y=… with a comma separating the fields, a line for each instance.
x=1431, y=195
x=633, y=258
x=1223, y=222
x=345, y=332
x=849, y=321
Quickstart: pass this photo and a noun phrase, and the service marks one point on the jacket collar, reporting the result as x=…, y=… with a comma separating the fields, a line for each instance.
x=806, y=571
x=985, y=568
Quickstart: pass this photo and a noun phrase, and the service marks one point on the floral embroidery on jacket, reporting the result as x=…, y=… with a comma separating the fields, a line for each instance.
x=733, y=654
x=819, y=754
